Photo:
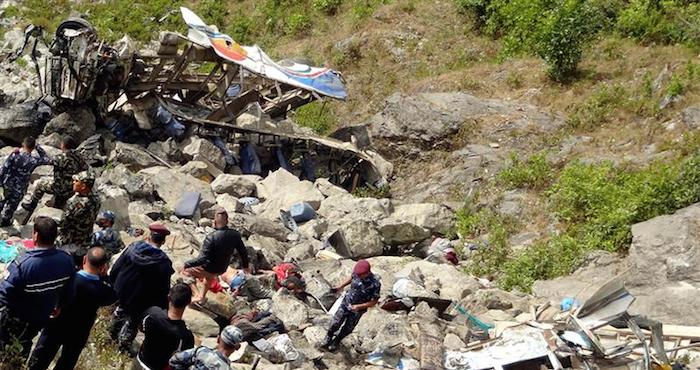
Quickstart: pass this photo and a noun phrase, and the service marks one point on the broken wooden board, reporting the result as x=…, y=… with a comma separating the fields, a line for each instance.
x=431, y=352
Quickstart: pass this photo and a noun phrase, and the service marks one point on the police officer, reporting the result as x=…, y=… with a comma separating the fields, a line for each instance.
x=363, y=294
x=65, y=165
x=80, y=213
x=14, y=176
x=39, y=283
x=205, y=358
x=107, y=237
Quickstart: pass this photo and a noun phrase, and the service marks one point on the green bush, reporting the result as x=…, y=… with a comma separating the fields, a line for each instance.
x=478, y=8
x=564, y=35
x=534, y=172
x=327, y=6
x=317, y=116
x=297, y=23
x=240, y=28
x=666, y=21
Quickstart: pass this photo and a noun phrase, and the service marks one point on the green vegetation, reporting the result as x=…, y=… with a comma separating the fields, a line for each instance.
x=372, y=192
x=596, y=204
x=535, y=172
x=598, y=108
x=318, y=116
x=560, y=30
x=492, y=251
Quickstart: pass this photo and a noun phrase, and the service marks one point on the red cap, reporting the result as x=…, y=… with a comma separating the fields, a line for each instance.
x=158, y=228
x=361, y=267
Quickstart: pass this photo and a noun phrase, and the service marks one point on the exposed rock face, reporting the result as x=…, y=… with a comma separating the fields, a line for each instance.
x=18, y=122
x=662, y=270
x=78, y=123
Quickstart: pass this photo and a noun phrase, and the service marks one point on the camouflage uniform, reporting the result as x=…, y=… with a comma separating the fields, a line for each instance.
x=109, y=239
x=80, y=212
x=200, y=358
x=14, y=176
x=65, y=165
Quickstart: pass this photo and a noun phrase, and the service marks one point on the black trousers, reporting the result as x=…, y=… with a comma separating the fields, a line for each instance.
x=13, y=332
x=343, y=323
x=124, y=328
x=71, y=336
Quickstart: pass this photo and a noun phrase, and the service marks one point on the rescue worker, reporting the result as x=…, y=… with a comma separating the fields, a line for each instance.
x=165, y=331
x=65, y=165
x=107, y=237
x=205, y=358
x=77, y=318
x=14, y=176
x=216, y=253
x=39, y=283
x=81, y=210
x=363, y=294
x=141, y=278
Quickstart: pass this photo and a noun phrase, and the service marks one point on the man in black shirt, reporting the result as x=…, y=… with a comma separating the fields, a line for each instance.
x=72, y=326
x=216, y=253
x=165, y=331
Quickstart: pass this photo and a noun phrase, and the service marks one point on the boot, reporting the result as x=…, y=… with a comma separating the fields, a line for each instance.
x=333, y=345
x=327, y=342
x=30, y=206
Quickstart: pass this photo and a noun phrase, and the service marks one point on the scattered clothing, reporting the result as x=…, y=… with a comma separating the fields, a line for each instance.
x=76, y=318
x=284, y=271
x=256, y=325
x=200, y=358
x=163, y=338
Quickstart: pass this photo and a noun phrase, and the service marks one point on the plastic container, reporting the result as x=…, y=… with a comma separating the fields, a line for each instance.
x=302, y=212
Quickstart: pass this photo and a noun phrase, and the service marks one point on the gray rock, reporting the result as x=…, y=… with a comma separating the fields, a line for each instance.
x=523, y=240
x=299, y=252
x=401, y=233
x=273, y=250
x=168, y=150
x=338, y=208
x=249, y=224
x=200, y=324
x=292, y=312
x=78, y=123
x=691, y=117
x=204, y=171
x=511, y=204
x=238, y=186
x=115, y=199
x=428, y=216
x=230, y=203
x=18, y=122
x=358, y=239
x=132, y=156
x=136, y=185
x=281, y=190
x=446, y=279
x=154, y=211
x=170, y=184
x=313, y=229
x=202, y=149
x=328, y=189
x=452, y=342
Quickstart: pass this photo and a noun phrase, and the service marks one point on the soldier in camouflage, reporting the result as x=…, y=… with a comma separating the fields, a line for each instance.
x=65, y=165
x=14, y=176
x=205, y=358
x=80, y=212
x=107, y=237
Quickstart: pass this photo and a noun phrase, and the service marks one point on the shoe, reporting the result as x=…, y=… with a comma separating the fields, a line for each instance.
x=332, y=347
x=28, y=206
x=326, y=343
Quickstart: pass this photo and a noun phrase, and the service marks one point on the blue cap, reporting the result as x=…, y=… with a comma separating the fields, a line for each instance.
x=108, y=215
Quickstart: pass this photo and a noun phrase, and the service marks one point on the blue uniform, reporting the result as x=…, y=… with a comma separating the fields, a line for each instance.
x=109, y=239
x=345, y=319
x=14, y=176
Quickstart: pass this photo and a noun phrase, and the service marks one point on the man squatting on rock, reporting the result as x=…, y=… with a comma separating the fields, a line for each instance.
x=216, y=253
x=363, y=294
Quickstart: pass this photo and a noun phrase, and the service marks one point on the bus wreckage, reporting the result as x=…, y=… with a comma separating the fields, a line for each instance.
x=205, y=84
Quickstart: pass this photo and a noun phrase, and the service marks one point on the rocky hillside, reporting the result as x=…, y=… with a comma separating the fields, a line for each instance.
x=551, y=178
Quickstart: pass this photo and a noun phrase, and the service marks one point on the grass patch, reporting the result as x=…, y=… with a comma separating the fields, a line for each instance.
x=317, y=116
x=597, y=109
x=491, y=250
x=372, y=192
x=535, y=172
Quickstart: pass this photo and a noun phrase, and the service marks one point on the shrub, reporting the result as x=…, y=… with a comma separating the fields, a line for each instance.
x=478, y=8
x=372, y=192
x=534, y=172
x=296, y=23
x=327, y=6
x=240, y=28
x=564, y=34
x=317, y=116
x=491, y=254
x=668, y=21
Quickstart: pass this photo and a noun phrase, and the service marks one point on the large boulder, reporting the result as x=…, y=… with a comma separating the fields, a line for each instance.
x=292, y=312
x=200, y=324
x=249, y=224
x=115, y=199
x=202, y=149
x=134, y=157
x=78, y=123
x=273, y=250
x=358, y=239
x=444, y=279
x=204, y=171
x=237, y=185
x=401, y=233
x=171, y=184
x=18, y=122
x=136, y=185
x=153, y=210
x=229, y=203
x=281, y=190
x=337, y=208
x=429, y=216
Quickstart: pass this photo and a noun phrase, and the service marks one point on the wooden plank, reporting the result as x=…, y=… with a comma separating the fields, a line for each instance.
x=431, y=352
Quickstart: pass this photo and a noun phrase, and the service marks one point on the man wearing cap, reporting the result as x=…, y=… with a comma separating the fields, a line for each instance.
x=363, y=294
x=107, y=237
x=205, y=358
x=216, y=253
x=81, y=209
x=141, y=278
